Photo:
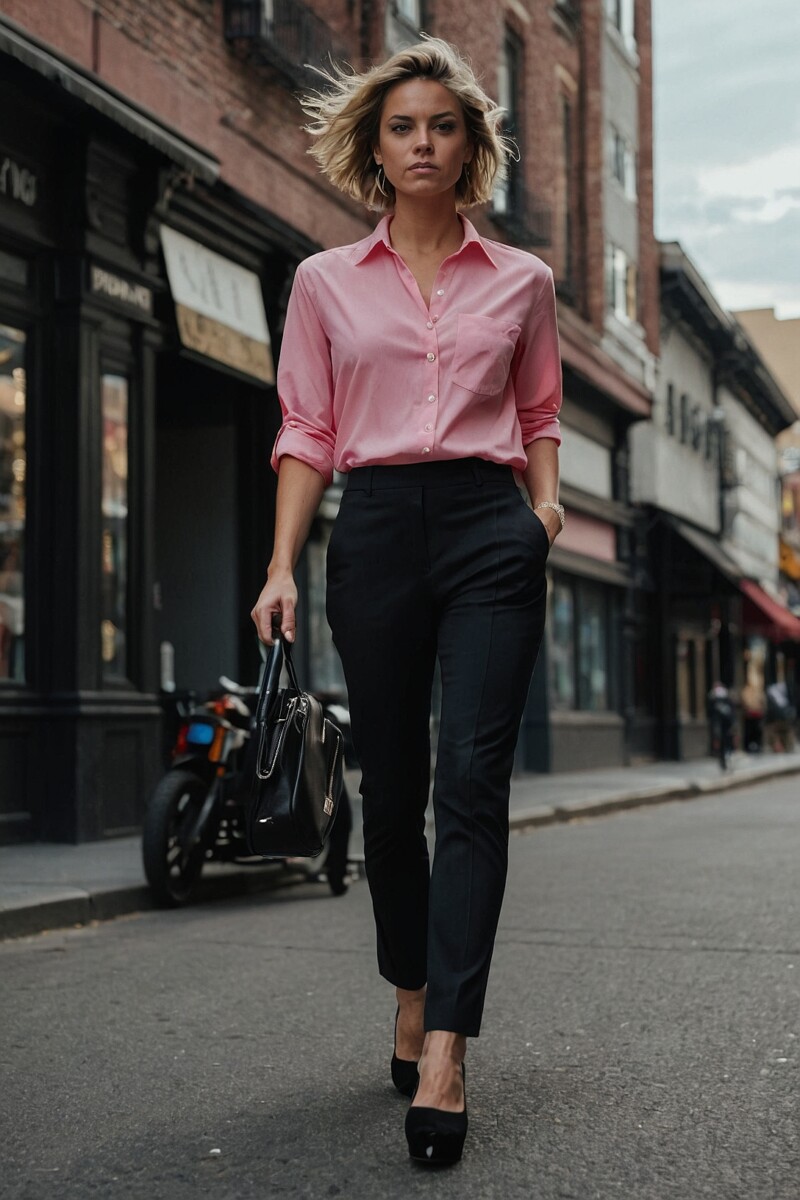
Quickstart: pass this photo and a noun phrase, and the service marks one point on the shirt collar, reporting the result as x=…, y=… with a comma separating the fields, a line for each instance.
x=380, y=238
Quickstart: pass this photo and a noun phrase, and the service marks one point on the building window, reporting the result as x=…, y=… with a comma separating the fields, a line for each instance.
x=621, y=15
x=593, y=690
x=507, y=196
x=669, y=413
x=691, y=686
x=579, y=646
x=409, y=11
x=561, y=648
x=623, y=162
x=13, y=466
x=114, y=527
x=621, y=284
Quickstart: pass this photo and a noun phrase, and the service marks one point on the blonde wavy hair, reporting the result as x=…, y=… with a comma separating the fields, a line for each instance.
x=346, y=122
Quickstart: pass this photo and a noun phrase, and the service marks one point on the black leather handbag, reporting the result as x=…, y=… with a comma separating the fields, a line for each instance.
x=296, y=770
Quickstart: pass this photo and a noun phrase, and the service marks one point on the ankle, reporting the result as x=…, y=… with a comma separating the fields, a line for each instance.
x=442, y=1045
x=410, y=999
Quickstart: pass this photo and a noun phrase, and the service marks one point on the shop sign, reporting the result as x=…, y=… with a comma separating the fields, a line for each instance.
x=17, y=182
x=122, y=291
x=219, y=306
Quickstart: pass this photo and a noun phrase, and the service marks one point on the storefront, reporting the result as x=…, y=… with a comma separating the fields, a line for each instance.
x=136, y=420
x=585, y=708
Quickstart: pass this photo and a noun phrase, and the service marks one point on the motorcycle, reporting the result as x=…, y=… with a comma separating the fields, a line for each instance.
x=196, y=813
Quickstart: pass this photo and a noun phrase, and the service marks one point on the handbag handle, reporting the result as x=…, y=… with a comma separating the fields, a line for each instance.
x=280, y=653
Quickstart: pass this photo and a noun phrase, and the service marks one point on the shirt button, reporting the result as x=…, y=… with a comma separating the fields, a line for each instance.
x=426, y=449
x=431, y=357
x=429, y=325
x=440, y=291
x=428, y=428
x=431, y=399
x=435, y=318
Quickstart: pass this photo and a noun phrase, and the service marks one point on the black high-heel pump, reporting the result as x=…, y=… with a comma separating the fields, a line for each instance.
x=435, y=1137
x=405, y=1075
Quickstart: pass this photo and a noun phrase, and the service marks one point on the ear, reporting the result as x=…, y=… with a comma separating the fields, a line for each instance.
x=376, y=154
x=469, y=153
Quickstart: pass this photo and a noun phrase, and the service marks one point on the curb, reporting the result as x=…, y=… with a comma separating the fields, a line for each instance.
x=575, y=810
x=82, y=908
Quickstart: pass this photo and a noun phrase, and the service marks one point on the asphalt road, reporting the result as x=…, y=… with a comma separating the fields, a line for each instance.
x=640, y=1041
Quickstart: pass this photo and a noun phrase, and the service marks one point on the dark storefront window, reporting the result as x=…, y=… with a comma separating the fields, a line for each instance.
x=692, y=685
x=562, y=647
x=114, y=529
x=593, y=689
x=326, y=669
x=12, y=503
x=579, y=648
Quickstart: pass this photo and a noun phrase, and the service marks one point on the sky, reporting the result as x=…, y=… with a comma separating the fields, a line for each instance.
x=727, y=144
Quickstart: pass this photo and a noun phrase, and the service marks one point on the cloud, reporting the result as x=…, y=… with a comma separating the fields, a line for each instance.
x=727, y=144
x=725, y=83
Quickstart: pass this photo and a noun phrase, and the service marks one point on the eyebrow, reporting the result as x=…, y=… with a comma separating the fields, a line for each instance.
x=435, y=117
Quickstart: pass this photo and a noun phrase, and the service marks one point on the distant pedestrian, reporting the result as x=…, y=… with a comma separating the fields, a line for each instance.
x=423, y=361
x=754, y=704
x=780, y=718
x=720, y=718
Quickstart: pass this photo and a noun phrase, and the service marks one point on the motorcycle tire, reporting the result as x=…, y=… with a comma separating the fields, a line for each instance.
x=174, y=804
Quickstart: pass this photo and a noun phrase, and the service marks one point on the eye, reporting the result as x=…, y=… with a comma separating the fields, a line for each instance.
x=398, y=128
x=447, y=126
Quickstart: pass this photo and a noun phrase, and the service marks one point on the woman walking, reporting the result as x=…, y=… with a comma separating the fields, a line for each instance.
x=423, y=362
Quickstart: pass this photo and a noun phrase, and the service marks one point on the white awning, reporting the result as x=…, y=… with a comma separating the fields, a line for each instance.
x=219, y=306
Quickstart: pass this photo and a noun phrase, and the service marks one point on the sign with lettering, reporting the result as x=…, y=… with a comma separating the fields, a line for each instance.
x=219, y=306
x=18, y=182
x=125, y=292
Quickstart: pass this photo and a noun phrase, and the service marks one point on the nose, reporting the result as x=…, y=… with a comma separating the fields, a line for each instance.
x=423, y=144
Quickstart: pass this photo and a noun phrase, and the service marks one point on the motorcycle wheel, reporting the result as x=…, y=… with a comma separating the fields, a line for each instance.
x=172, y=872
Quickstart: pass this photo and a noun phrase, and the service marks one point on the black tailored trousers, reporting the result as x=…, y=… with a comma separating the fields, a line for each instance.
x=437, y=559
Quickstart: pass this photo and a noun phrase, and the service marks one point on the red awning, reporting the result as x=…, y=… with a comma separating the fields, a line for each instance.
x=780, y=624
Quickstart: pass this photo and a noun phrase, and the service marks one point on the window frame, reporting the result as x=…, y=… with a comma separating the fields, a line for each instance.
x=580, y=591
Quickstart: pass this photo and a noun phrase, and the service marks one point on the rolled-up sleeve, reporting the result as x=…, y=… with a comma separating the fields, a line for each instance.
x=305, y=385
x=536, y=370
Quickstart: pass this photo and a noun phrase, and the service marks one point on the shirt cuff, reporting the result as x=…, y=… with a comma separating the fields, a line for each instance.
x=550, y=429
x=302, y=445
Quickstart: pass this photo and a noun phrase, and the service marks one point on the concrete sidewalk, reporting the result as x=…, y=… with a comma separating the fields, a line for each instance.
x=48, y=885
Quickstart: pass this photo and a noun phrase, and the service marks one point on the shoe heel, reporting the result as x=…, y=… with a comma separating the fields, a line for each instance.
x=405, y=1075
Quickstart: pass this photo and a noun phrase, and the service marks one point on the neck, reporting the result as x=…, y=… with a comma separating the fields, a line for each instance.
x=425, y=226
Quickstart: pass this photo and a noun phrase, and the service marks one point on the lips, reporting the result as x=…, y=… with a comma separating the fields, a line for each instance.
x=423, y=168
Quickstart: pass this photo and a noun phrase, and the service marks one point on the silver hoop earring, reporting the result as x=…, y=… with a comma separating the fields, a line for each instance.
x=380, y=185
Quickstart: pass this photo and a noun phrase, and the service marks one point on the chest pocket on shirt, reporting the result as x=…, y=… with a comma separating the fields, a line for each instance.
x=483, y=353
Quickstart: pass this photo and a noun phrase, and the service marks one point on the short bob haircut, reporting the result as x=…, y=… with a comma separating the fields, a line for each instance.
x=346, y=122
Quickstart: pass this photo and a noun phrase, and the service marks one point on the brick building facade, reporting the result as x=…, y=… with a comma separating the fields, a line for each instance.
x=143, y=505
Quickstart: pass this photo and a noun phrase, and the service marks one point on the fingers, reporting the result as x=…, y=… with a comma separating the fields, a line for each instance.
x=274, y=615
x=288, y=623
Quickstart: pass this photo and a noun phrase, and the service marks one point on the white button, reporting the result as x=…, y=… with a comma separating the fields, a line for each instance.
x=429, y=325
x=431, y=357
x=440, y=291
x=431, y=399
x=428, y=428
x=426, y=449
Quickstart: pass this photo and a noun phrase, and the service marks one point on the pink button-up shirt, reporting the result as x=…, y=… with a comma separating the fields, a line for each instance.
x=369, y=375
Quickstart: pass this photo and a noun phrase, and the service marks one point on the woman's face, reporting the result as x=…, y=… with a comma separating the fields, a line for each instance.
x=422, y=139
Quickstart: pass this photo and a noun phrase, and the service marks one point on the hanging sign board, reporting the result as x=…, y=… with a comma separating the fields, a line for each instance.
x=219, y=306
